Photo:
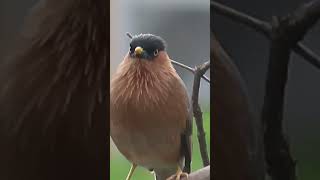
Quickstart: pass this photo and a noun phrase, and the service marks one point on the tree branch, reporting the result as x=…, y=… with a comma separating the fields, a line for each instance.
x=285, y=34
x=189, y=69
x=198, y=73
x=265, y=28
x=308, y=54
x=239, y=17
x=279, y=160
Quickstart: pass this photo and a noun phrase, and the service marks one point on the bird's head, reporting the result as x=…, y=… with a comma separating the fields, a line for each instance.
x=146, y=47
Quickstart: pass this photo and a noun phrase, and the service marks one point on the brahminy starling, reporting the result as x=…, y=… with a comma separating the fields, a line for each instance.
x=151, y=120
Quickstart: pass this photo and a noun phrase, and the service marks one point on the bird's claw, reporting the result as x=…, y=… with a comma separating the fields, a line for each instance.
x=181, y=175
x=178, y=176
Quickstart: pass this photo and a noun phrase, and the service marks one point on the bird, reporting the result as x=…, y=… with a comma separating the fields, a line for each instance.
x=150, y=112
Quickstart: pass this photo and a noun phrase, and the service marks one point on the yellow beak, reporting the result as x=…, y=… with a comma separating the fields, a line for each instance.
x=138, y=50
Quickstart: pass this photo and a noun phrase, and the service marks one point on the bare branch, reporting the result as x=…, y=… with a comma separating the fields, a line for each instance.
x=279, y=160
x=254, y=23
x=285, y=34
x=199, y=71
x=183, y=66
x=265, y=28
x=308, y=54
x=189, y=69
x=201, y=174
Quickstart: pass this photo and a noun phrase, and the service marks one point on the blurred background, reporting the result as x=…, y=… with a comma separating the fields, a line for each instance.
x=185, y=25
x=249, y=50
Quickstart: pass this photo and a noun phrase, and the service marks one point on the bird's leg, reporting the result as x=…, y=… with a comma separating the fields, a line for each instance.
x=179, y=174
x=133, y=167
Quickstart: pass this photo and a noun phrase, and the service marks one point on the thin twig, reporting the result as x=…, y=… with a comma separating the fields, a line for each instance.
x=189, y=69
x=258, y=25
x=307, y=53
x=264, y=28
x=199, y=71
x=183, y=66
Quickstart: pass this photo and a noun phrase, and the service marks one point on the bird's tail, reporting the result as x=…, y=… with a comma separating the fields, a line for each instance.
x=187, y=168
x=163, y=174
x=159, y=177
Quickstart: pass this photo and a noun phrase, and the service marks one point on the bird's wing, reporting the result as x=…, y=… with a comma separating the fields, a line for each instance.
x=53, y=91
x=186, y=143
x=186, y=136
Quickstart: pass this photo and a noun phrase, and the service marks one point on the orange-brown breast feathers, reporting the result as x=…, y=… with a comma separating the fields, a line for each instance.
x=143, y=82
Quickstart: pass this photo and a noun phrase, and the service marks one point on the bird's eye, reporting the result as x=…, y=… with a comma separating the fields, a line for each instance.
x=156, y=52
x=131, y=49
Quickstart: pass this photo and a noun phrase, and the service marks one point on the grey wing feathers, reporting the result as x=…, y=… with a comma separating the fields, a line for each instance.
x=186, y=136
x=186, y=145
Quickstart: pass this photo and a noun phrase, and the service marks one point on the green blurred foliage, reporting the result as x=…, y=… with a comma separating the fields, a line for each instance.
x=120, y=166
x=305, y=152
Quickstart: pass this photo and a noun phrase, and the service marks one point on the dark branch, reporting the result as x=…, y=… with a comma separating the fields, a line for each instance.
x=265, y=27
x=199, y=71
x=308, y=54
x=279, y=160
x=254, y=23
x=285, y=34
